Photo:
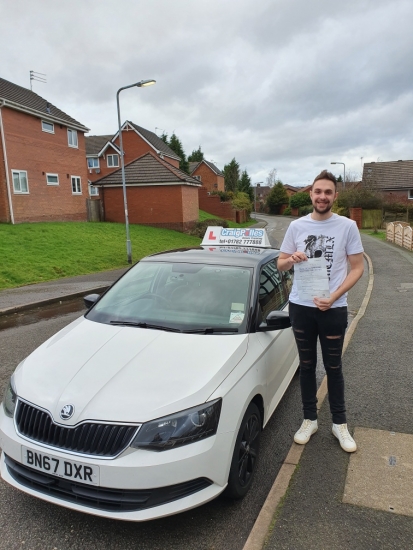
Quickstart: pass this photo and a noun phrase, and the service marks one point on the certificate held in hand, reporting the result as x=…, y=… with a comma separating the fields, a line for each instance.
x=312, y=279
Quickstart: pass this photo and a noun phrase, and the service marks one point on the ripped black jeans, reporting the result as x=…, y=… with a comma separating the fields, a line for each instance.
x=309, y=324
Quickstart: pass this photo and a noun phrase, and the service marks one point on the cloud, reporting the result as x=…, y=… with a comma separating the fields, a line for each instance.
x=290, y=84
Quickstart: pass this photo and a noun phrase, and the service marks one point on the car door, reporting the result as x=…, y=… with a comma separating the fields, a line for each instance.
x=280, y=351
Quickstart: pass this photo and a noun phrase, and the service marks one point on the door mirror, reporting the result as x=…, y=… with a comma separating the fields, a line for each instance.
x=90, y=300
x=276, y=320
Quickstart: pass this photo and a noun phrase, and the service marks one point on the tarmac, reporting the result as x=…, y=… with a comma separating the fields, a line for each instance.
x=330, y=499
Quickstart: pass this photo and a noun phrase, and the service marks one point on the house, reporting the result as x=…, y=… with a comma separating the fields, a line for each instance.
x=158, y=194
x=43, y=176
x=208, y=174
x=394, y=179
x=103, y=152
x=291, y=190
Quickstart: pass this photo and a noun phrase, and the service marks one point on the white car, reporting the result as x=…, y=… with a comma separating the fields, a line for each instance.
x=153, y=402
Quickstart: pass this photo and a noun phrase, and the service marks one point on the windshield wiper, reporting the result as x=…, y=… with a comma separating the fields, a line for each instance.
x=209, y=330
x=143, y=325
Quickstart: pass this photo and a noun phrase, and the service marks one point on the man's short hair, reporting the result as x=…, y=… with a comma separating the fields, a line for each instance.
x=326, y=175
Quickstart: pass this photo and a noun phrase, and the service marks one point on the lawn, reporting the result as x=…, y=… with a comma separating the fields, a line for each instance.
x=38, y=252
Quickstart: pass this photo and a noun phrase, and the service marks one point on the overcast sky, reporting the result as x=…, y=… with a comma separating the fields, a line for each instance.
x=285, y=84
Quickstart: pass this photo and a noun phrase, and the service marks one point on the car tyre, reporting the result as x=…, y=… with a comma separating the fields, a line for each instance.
x=246, y=450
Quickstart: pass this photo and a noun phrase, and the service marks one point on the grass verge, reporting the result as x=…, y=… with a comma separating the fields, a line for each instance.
x=34, y=253
x=38, y=252
x=379, y=234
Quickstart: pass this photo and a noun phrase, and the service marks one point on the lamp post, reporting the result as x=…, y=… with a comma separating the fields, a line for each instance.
x=140, y=84
x=344, y=181
x=255, y=195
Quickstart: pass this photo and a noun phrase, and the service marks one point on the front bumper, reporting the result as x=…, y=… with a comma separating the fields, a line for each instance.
x=185, y=477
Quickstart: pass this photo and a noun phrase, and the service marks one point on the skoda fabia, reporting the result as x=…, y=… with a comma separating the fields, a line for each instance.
x=153, y=401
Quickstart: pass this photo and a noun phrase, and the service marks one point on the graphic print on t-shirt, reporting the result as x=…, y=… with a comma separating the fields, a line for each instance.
x=321, y=245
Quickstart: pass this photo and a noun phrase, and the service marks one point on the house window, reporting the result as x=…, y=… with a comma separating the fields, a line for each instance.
x=52, y=179
x=93, y=162
x=48, y=127
x=112, y=160
x=76, y=187
x=72, y=137
x=198, y=178
x=20, y=184
x=93, y=191
x=410, y=194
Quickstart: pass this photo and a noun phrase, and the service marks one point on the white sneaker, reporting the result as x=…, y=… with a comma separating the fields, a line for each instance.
x=347, y=443
x=308, y=428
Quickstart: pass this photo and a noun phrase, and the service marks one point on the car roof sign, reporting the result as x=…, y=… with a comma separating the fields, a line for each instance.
x=248, y=236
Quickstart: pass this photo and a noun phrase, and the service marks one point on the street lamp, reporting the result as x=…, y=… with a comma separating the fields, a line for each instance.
x=344, y=181
x=255, y=195
x=141, y=84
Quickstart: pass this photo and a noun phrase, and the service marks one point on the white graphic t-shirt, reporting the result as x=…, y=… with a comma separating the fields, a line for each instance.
x=334, y=238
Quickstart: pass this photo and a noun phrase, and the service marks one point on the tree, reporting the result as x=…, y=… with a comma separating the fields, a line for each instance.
x=300, y=199
x=176, y=146
x=164, y=137
x=196, y=156
x=277, y=197
x=271, y=179
x=244, y=185
x=231, y=175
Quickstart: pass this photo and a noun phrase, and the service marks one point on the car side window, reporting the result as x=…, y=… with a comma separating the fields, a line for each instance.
x=288, y=280
x=271, y=295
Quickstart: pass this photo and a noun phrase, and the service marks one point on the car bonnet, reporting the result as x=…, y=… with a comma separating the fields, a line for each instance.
x=125, y=374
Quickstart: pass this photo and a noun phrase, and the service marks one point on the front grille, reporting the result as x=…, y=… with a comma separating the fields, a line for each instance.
x=112, y=500
x=106, y=440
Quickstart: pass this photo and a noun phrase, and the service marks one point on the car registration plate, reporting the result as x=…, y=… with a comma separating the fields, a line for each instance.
x=67, y=469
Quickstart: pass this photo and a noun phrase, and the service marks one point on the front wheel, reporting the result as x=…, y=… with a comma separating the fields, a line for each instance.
x=244, y=459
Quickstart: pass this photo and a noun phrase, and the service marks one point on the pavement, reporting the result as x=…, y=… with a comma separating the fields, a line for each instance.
x=332, y=499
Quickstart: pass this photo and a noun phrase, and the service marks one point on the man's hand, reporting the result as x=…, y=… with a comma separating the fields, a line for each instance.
x=286, y=261
x=325, y=303
x=298, y=257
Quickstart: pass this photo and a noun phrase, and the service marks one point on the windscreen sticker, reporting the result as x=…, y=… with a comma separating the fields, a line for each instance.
x=236, y=317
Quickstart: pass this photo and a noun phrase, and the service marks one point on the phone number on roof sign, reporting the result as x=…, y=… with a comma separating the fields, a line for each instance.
x=244, y=241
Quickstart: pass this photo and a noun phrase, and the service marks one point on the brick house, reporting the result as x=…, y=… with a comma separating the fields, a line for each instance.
x=208, y=174
x=394, y=179
x=158, y=194
x=43, y=176
x=103, y=152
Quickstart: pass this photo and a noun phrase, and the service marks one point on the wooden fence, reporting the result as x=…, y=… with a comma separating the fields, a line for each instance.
x=400, y=233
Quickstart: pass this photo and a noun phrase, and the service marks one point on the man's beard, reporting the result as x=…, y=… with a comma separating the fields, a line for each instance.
x=324, y=211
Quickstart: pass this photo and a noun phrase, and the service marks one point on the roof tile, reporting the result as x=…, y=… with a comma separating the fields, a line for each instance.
x=23, y=97
x=148, y=169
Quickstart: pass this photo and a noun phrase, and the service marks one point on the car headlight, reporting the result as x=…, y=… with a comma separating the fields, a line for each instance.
x=179, y=429
x=10, y=398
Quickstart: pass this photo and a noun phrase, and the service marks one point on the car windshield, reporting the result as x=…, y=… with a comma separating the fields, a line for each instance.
x=178, y=296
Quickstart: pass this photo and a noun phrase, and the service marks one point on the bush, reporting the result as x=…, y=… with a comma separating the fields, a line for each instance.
x=287, y=211
x=397, y=207
x=304, y=210
x=359, y=198
x=241, y=201
x=300, y=199
x=201, y=227
x=225, y=196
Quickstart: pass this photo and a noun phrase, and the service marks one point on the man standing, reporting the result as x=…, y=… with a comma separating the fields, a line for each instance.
x=337, y=239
